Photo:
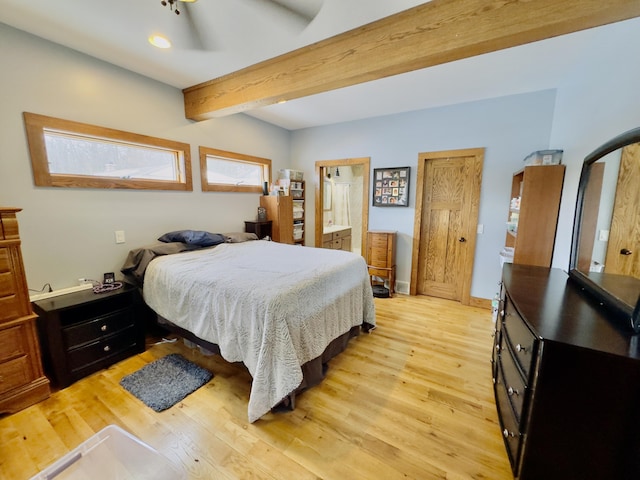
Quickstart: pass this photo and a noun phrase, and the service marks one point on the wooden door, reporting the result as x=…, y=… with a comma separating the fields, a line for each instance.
x=447, y=201
x=623, y=249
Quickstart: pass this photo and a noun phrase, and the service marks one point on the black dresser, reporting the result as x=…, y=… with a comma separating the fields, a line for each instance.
x=566, y=379
x=83, y=332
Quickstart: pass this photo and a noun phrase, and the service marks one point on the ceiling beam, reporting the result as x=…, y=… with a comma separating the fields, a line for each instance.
x=430, y=34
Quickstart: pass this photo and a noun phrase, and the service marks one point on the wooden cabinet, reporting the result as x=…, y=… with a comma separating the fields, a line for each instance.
x=337, y=238
x=84, y=332
x=22, y=380
x=566, y=380
x=381, y=256
x=533, y=213
x=280, y=212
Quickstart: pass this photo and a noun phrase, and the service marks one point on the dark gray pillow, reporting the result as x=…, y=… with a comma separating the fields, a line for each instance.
x=239, y=237
x=193, y=237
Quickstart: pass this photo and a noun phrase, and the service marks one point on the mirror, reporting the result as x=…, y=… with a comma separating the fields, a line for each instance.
x=605, y=250
x=326, y=196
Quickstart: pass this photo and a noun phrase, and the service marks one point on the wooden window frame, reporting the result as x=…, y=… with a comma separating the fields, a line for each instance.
x=240, y=157
x=36, y=125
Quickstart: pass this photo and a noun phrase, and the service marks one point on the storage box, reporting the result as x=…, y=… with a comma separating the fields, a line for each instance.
x=544, y=157
x=112, y=454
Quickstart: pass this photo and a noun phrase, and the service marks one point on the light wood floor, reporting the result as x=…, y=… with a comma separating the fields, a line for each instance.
x=412, y=400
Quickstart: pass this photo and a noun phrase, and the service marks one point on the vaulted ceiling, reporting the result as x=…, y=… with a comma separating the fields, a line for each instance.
x=214, y=38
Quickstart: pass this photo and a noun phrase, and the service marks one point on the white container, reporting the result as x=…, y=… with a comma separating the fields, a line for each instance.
x=544, y=157
x=293, y=175
x=112, y=454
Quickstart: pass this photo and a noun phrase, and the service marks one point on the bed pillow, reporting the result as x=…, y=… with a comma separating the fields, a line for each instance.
x=239, y=237
x=193, y=237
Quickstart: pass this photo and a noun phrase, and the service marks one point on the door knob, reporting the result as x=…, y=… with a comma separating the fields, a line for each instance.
x=625, y=251
x=462, y=239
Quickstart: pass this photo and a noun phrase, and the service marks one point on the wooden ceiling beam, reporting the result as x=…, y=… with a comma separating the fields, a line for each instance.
x=430, y=34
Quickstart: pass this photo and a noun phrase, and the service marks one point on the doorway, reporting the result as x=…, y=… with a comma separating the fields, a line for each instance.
x=342, y=192
x=445, y=224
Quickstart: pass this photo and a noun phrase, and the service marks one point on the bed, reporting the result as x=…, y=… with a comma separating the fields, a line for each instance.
x=282, y=310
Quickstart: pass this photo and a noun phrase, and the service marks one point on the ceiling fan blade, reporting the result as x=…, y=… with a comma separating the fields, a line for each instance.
x=307, y=9
x=197, y=40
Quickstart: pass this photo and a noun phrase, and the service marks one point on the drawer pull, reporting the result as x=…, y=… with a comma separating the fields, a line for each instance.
x=520, y=348
x=506, y=433
x=511, y=391
x=103, y=328
x=107, y=348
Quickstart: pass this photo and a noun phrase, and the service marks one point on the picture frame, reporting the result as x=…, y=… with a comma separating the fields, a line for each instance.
x=391, y=187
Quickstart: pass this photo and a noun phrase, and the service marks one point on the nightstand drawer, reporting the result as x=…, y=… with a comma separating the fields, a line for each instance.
x=102, y=349
x=97, y=328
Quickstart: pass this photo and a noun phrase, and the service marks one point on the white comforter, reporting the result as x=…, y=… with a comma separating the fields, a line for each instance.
x=270, y=305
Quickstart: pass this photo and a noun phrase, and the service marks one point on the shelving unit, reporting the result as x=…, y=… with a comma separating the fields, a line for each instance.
x=532, y=221
x=298, y=196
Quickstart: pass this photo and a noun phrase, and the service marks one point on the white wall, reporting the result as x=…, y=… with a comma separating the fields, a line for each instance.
x=509, y=128
x=68, y=233
x=601, y=101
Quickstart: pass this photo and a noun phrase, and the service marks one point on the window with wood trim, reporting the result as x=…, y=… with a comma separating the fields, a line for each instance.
x=72, y=154
x=222, y=171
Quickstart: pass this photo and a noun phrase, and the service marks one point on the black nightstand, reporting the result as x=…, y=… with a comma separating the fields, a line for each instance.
x=83, y=332
x=261, y=229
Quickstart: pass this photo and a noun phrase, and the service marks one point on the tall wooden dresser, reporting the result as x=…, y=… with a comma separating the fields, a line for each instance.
x=381, y=256
x=22, y=380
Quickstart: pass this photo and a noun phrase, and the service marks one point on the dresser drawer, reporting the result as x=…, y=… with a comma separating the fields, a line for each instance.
x=521, y=340
x=11, y=342
x=514, y=384
x=508, y=421
x=102, y=349
x=15, y=373
x=97, y=328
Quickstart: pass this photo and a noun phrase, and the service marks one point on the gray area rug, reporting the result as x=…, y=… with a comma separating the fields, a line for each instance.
x=164, y=382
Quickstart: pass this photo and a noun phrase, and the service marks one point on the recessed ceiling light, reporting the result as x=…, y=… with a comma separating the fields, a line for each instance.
x=159, y=41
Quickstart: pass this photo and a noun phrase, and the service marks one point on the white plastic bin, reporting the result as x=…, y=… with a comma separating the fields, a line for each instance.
x=112, y=454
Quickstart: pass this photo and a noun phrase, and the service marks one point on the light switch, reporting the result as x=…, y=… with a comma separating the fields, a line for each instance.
x=604, y=236
x=119, y=236
x=480, y=228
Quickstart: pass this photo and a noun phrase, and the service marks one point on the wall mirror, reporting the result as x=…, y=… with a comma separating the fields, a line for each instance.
x=605, y=250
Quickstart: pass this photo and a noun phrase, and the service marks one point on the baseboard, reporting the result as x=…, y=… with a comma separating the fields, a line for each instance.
x=480, y=302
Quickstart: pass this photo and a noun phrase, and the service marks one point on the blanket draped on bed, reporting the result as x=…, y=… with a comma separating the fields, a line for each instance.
x=272, y=306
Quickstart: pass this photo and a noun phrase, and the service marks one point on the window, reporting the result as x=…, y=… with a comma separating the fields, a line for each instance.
x=72, y=154
x=232, y=172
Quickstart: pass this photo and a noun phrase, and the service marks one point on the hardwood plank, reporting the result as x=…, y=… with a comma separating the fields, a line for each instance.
x=413, y=399
x=430, y=34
